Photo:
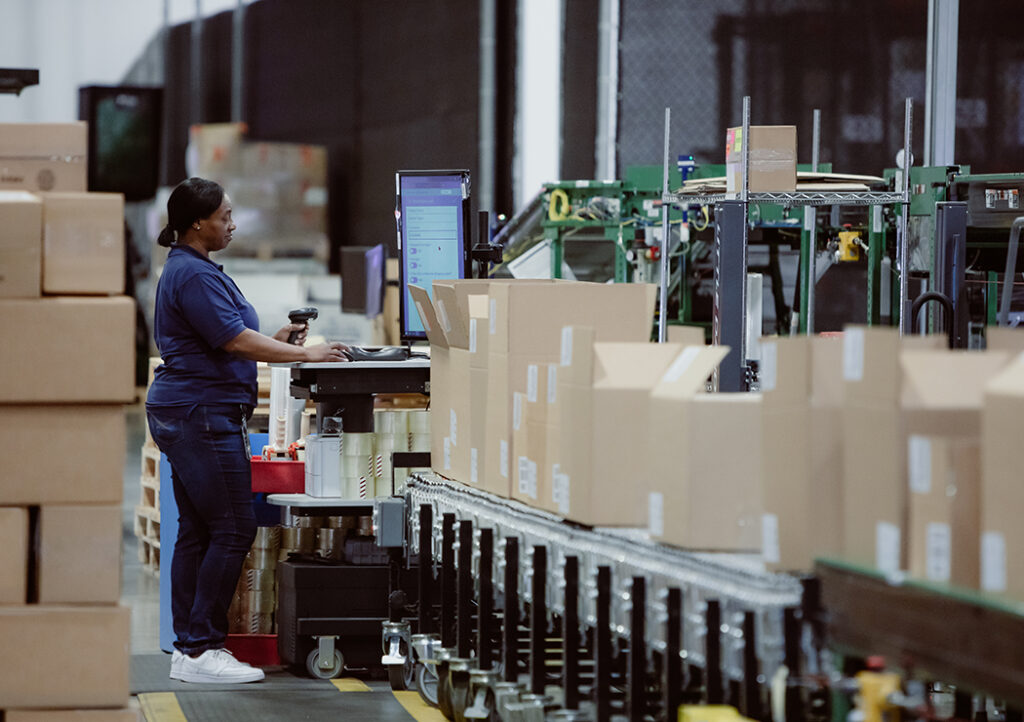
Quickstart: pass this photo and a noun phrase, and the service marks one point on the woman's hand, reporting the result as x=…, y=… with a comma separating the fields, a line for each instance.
x=330, y=351
x=286, y=331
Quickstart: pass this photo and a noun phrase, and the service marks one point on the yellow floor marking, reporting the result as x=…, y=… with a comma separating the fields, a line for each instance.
x=415, y=706
x=349, y=684
x=161, y=707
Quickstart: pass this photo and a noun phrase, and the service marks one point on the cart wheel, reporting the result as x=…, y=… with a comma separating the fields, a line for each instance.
x=426, y=683
x=315, y=670
x=459, y=693
x=444, y=691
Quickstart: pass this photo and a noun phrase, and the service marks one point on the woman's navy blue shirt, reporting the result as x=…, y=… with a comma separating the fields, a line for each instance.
x=198, y=309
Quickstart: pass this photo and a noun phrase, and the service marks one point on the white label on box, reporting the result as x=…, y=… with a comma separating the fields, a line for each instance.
x=656, y=513
x=504, y=458
x=442, y=316
x=529, y=475
x=531, y=383
x=447, y=453
x=552, y=382
x=770, y=538
x=423, y=317
x=919, y=464
x=993, y=562
x=472, y=335
x=567, y=345
x=769, y=366
x=492, y=316
x=560, y=490
x=517, y=410
x=876, y=219
x=938, y=548
x=887, y=547
x=853, y=354
x=682, y=362
x=810, y=215
x=474, y=474
x=453, y=427
x=522, y=472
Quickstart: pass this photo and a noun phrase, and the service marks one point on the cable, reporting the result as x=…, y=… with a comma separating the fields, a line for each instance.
x=560, y=199
x=707, y=220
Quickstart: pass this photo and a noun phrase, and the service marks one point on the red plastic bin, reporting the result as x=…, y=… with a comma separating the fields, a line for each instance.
x=278, y=477
x=259, y=650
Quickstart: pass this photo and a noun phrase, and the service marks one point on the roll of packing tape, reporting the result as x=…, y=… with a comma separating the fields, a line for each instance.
x=419, y=422
x=259, y=602
x=335, y=522
x=356, y=444
x=267, y=537
x=257, y=624
x=308, y=522
x=256, y=579
x=352, y=466
x=298, y=539
x=419, y=442
x=330, y=543
x=261, y=559
x=350, y=486
x=390, y=422
x=387, y=444
x=365, y=526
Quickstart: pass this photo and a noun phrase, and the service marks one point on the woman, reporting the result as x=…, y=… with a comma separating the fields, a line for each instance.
x=199, y=401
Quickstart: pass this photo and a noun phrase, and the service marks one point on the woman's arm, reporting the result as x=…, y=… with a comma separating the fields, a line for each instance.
x=254, y=346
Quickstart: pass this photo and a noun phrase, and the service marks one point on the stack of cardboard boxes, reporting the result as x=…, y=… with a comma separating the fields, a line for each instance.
x=892, y=453
x=68, y=360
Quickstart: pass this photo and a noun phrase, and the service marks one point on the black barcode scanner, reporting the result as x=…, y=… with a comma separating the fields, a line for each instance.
x=300, y=315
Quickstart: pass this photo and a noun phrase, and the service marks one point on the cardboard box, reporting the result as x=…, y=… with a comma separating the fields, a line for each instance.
x=44, y=156
x=942, y=399
x=1002, y=494
x=21, y=259
x=83, y=243
x=125, y=714
x=772, y=158
x=602, y=430
x=875, y=494
x=998, y=338
x=708, y=489
x=30, y=635
x=78, y=559
x=67, y=350
x=802, y=448
x=13, y=555
x=73, y=454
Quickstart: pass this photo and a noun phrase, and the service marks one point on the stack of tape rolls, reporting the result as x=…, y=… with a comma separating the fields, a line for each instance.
x=358, y=464
x=252, y=607
x=419, y=438
x=392, y=430
x=297, y=540
x=330, y=543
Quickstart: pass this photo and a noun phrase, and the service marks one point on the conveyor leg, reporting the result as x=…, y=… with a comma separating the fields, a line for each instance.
x=448, y=580
x=673, y=646
x=426, y=570
x=751, y=687
x=511, y=630
x=713, y=653
x=637, y=687
x=570, y=634
x=464, y=622
x=538, y=620
x=603, y=646
x=485, y=605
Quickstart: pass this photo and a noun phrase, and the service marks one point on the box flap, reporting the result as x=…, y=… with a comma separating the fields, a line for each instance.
x=688, y=373
x=452, y=315
x=1009, y=381
x=943, y=390
x=686, y=335
x=425, y=307
x=626, y=365
x=1004, y=339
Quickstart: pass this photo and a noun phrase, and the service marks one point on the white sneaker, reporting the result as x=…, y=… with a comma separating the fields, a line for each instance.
x=176, y=658
x=216, y=666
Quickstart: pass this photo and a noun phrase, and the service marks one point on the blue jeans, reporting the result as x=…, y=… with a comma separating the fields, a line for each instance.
x=206, y=448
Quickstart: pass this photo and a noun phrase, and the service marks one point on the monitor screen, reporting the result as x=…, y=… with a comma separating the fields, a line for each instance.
x=433, y=238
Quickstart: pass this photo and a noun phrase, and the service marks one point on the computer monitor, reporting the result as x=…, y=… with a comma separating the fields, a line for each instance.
x=432, y=211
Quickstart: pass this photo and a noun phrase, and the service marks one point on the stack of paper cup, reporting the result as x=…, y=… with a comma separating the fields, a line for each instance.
x=358, y=465
x=392, y=430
